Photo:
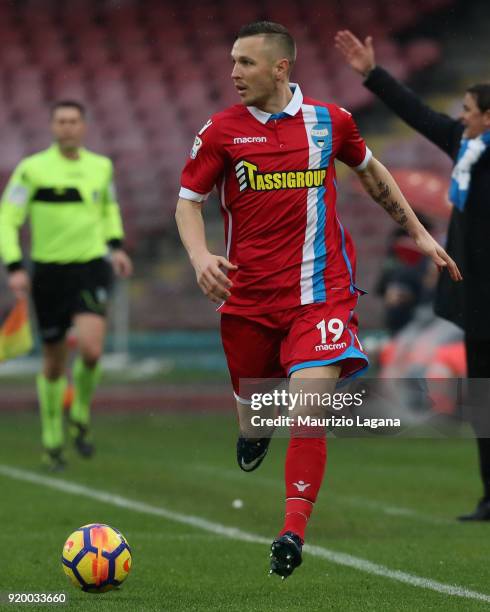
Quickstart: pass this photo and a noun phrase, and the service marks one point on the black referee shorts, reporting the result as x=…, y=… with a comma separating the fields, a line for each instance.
x=60, y=291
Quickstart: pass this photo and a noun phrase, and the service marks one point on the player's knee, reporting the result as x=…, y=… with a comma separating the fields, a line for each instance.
x=91, y=355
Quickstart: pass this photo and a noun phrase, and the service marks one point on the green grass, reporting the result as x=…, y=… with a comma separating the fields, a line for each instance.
x=169, y=373
x=186, y=464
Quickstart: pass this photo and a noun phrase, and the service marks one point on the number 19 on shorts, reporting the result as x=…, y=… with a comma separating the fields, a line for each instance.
x=334, y=326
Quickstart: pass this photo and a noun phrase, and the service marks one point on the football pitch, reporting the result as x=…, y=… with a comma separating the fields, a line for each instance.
x=382, y=537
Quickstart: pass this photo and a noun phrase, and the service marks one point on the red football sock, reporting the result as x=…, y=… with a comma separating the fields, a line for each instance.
x=305, y=466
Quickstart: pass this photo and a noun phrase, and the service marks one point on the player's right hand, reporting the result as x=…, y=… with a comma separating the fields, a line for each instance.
x=213, y=281
x=360, y=56
x=19, y=283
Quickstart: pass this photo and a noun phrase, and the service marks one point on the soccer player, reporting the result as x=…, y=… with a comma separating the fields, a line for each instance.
x=467, y=141
x=67, y=192
x=287, y=282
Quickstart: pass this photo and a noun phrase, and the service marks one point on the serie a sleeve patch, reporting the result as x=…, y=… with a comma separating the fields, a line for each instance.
x=18, y=195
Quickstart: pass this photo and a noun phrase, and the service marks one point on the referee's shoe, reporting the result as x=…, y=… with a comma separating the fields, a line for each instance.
x=53, y=459
x=81, y=440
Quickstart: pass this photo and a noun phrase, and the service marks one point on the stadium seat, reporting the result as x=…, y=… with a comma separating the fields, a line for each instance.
x=152, y=72
x=12, y=149
x=421, y=53
x=14, y=56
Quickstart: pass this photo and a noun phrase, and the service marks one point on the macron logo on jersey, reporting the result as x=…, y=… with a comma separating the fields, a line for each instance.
x=249, y=139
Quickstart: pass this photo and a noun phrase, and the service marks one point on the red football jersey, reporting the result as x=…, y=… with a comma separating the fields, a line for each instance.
x=275, y=175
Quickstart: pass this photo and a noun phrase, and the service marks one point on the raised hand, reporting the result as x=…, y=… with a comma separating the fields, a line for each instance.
x=360, y=56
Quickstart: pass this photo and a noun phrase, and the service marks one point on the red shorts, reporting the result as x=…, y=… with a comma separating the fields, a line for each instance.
x=275, y=345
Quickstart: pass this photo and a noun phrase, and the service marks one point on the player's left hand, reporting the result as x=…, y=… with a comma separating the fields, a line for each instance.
x=434, y=250
x=121, y=263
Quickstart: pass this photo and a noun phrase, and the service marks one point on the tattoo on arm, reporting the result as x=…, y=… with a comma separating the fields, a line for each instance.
x=382, y=195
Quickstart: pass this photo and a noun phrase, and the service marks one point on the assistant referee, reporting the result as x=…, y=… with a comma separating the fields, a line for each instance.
x=67, y=192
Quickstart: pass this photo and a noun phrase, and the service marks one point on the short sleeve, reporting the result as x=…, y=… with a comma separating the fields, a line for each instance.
x=110, y=193
x=353, y=150
x=205, y=164
x=113, y=227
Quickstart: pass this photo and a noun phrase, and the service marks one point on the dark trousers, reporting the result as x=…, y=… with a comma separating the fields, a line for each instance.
x=478, y=364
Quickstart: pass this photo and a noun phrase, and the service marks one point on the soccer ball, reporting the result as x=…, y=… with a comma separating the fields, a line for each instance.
x=96, y=558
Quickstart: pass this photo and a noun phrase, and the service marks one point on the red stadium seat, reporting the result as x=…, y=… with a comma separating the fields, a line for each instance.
x=14, y=56
x=420, y=54
x=9, y=36
x=152, y=72
x=237, y=14
x=400, y=16
x=361, y=17
x=12, y=149
x=51, y=57
x=94, y=56
x=89, y=36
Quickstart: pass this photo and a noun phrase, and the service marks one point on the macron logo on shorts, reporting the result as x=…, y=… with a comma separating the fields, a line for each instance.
x=331, y=347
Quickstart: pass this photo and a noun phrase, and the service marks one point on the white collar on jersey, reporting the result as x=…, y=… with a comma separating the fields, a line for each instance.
x=291, y=109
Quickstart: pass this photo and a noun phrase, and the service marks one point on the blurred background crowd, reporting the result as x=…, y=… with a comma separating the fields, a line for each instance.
x=151, y=73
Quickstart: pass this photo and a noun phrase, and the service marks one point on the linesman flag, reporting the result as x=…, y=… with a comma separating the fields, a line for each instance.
x=15, y=332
